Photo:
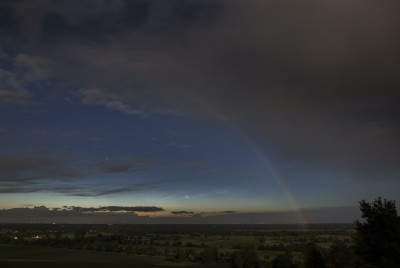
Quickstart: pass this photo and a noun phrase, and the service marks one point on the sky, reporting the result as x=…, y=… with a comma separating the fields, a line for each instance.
x=197, y=111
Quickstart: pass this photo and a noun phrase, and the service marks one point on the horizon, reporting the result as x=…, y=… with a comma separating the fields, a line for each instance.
x=197, y=111
x=128, y=215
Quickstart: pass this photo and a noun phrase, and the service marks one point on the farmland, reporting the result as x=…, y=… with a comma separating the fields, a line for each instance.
x=41, y=245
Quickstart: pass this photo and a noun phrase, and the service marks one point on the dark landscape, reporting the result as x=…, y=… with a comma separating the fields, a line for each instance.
x=31, y=245
x=372, y=242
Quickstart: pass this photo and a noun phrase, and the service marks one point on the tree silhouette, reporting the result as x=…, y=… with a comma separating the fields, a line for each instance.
x=246, y=258
x=209, y=255
x=313, y=257
x=284, y=260
x=341, y=256
x=377, y=240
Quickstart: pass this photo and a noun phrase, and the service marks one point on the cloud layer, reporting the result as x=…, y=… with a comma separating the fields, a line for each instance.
x=45, y=173
x=119, y=214
x=315, y=80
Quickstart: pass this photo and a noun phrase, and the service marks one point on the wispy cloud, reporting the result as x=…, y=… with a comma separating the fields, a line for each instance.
x=22, y=72
x=33, y=67
x=98, y=96
x=14, y=96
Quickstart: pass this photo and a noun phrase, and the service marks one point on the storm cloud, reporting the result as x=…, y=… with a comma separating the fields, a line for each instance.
x=326, y=71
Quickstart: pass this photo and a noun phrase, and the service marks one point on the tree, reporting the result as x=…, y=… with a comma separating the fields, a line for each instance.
x=284, y=260
x=341, y=256
x=377, y=239
x=237, y=259
x=250, y=258
x=209, y=255
x=313, y=257
x=246, y=258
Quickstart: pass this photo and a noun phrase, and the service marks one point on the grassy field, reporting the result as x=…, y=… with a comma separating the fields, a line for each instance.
x=19, y=256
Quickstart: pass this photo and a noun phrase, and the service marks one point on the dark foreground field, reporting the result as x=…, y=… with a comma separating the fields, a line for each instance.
x=41, y=257
x=41, y=245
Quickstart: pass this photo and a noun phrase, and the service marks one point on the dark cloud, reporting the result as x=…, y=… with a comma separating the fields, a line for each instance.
x=319, y=90
x=35, y=167
x=315, y=82
x=116, y=209
x=228, y=212
x=212, y=214
x=134, y=209
x=73, y=189
x=74, y=214
x=33, y=187
x=43, y=214
x=123, y=167
x=147, y=164
x=90, y=190
x=109, y=191
x=29, y=173
x=182, y=212
x=313, y=88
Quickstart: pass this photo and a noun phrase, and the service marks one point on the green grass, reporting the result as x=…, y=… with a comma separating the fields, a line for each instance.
x=19, y=256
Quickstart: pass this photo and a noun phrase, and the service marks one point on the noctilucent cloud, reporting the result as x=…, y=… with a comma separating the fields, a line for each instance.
x=197, y=111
